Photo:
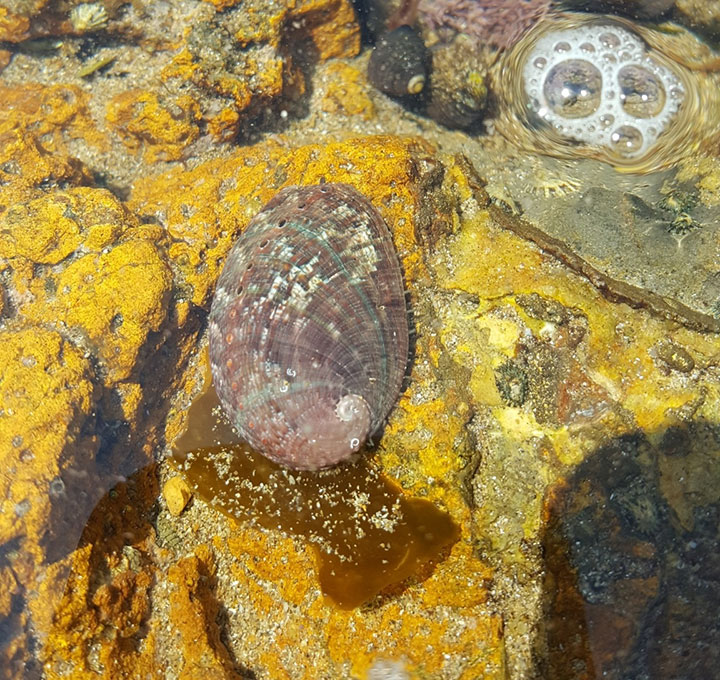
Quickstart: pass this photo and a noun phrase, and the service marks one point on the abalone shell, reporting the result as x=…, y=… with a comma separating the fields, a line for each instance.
x=308, y=328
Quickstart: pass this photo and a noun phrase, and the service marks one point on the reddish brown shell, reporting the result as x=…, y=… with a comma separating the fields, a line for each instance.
x=308, y=326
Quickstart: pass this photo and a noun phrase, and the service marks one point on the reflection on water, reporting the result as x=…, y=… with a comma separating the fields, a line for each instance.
x=633, y=95
x=632, y=550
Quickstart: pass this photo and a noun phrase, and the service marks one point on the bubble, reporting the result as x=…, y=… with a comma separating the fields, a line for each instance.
x=609, y=41
x=573, y=88
x=626, y=139
x=642, y=93
x=610, y=91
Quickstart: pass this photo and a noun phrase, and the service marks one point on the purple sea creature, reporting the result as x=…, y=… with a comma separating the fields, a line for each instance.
x=308, y=327
x=500, y=23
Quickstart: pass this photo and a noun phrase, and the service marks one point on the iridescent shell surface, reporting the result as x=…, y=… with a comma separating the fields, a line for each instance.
x=308, y=327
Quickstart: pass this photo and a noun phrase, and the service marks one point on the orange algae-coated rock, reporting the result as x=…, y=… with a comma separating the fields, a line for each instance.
x=5, y=58
x=127, y=302
x=313, y=625
x=69, y=258
x=332, y=26
x=49, y=229
x=266, y=558
x=223, y=4
x=65, y=333
x=26, y=168
x=51, y=113
x=365, y=532
x=36, y=124
x=46, y=391
x=345, y=93
x=103, y=622
x=13, y=27
x=194, y=612
x=197, y=206
x=177, y=494
x=162, y=129
x=244, y=64
x=115, y=287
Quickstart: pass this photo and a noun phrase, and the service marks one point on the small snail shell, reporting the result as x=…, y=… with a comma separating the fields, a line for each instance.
x=308, y=327
x=456, y=95
x=398, y=64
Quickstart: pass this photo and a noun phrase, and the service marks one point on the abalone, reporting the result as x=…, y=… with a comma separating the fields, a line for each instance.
x=308, y=327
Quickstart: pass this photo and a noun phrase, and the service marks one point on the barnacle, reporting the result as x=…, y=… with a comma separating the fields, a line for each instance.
x=679, y=204
x=682, y=224
x=512, y=382
x=88, y=16
x=547, y=184
x=677, y=201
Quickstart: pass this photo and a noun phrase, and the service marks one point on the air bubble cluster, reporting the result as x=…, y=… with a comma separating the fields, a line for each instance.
x=597, y=84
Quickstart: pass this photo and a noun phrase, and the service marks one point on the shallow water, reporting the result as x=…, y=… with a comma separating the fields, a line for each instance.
x=543, y=501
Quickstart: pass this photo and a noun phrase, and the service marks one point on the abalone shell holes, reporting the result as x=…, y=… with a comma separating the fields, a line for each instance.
x=289, y=350
x=264, y=243
x=239, y=290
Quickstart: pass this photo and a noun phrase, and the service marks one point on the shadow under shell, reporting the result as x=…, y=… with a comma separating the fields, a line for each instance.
x=365, y=532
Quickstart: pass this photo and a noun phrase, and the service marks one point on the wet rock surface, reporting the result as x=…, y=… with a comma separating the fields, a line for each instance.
x=653, y=239
x=562, y=407
x=629, y=565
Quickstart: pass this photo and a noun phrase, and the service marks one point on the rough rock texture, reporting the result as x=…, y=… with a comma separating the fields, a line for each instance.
x=35, y=124
x=86, y=293
x=162, y=130
x=249, y=62
x=542, y=411
x=701, y=16
x=522, y=370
